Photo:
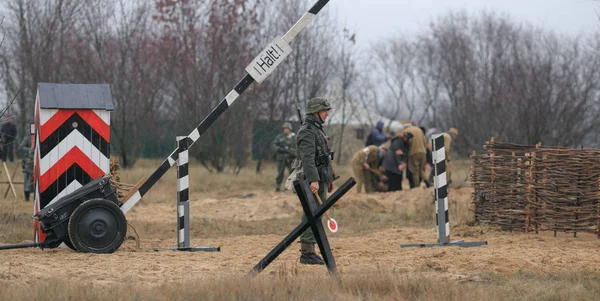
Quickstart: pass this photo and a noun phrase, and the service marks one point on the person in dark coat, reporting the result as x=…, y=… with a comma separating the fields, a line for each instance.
x=377, y=137
x=9, y=134
x=394, y=161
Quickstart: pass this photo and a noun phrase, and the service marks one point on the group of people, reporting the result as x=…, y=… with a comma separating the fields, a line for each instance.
x=378, y=167
x=381, y=164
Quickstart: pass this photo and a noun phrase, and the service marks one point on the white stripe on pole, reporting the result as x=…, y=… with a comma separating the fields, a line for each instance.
x=132, y=201
x=231, y=97
x=183, y=158
x=183, y=183
x=171, y=161
x=195, y=135
x=440, y=181
x=297, y=28
x=439, y=155
x=180, y=211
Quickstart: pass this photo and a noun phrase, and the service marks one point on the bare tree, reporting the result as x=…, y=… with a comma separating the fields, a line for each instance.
x=347, y=74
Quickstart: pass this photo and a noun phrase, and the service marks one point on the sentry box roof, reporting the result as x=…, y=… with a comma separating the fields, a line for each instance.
x=75, y=96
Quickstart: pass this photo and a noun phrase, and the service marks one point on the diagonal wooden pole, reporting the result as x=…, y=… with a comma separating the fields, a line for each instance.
x=9, y=180
x=13, y=176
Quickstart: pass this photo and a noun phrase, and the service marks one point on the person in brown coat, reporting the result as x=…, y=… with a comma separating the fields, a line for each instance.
x=448, y=138
x=365, y=164
x=417, y=154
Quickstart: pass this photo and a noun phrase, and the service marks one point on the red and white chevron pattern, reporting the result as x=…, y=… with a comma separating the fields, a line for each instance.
x=72, y=148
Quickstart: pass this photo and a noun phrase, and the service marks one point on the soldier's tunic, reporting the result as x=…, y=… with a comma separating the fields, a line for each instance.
x=369, y=155
x=27, y=164
x=284, y=147
x=417, y=155
x=313, y=151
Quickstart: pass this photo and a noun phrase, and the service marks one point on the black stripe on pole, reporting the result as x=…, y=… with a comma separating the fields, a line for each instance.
x=156, y=175
x=184, y=195
x=439, y=142
x=318, y=6
x=442, y=193
x=441, y=167
x=212, y=117
x=183, y=170
x=447, y=220
x=244, y=84
x=181, y=224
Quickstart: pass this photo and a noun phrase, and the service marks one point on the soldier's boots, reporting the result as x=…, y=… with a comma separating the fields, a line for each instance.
x=308, y=255
x=278, y=188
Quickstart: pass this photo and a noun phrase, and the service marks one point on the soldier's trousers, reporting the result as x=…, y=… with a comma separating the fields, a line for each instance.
x=282, y=165
x=416, y=165
x=28, y=182
x=308, y=236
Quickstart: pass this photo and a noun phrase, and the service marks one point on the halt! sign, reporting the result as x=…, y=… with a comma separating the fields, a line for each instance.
x=268, y=59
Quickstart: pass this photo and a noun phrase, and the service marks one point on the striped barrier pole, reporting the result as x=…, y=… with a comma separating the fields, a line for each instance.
x=257, y=70
x=183, y=204
x=440, y=180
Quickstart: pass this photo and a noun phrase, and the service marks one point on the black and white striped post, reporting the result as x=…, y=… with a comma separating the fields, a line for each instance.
x=257, y=70
x=441, y=199
x=183, y=201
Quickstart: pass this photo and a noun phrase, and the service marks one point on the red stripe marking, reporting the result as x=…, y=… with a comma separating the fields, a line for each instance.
x=75, y=155
x=61, y=116
x=37, y=229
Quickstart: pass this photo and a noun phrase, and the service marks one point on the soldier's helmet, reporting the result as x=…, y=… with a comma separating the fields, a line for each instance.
x=316, y=105
x=287, y=125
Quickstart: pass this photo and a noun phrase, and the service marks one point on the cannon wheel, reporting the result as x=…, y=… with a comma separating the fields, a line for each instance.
x=97, y=226
x=68, y=243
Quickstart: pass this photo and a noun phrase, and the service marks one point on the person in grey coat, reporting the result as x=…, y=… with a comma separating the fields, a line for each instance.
x=394, y=161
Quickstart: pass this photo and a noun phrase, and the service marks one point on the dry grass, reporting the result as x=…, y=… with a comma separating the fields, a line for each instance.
x=288, y=285
x=363, y=215
x=359, y=214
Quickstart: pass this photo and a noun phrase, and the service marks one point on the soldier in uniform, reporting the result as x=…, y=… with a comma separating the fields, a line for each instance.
x=417, y=155
x=313, y=153
x=284, y=147
x=365, y=166
x=27, y=165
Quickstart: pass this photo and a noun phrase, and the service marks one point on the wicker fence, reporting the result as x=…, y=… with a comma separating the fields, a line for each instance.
x=535, y=188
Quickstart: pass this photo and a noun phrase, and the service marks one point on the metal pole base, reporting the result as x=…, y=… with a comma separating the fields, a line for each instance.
x=457, y=243
x=20, y=246
x=191, y=249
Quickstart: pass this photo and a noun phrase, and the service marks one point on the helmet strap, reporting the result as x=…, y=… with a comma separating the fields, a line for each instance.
x=319, y=114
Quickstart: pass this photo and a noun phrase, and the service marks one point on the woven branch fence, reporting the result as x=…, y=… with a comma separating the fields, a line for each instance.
x=535, y=188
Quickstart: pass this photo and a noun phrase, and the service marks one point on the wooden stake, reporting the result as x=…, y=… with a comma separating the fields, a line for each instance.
x=13, y=176
x=133, y=190
x=9, y=180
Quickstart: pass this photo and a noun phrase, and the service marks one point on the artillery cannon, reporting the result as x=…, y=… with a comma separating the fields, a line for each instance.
x=87, y=220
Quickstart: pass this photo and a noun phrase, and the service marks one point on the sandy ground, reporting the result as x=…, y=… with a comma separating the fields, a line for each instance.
x=505, y=252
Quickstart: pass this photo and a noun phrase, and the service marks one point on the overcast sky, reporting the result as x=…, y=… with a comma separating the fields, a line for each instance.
x=376, y=19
